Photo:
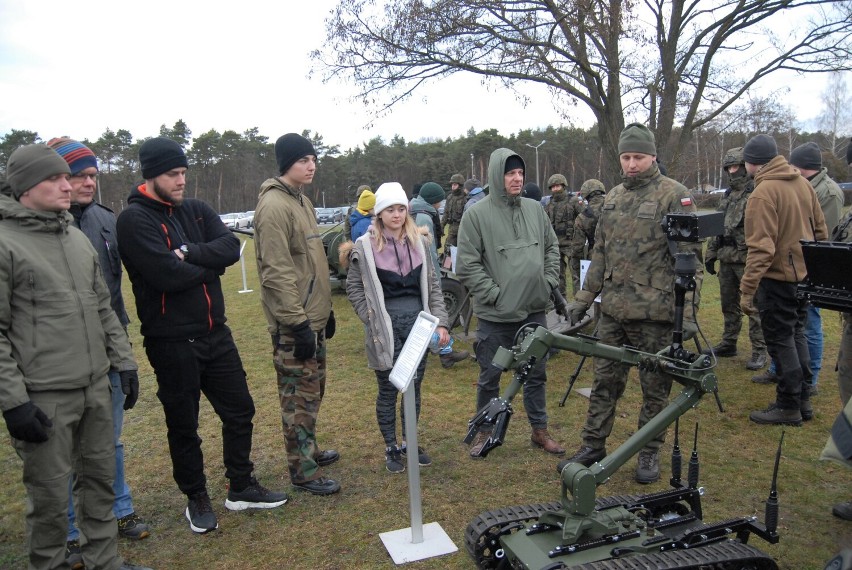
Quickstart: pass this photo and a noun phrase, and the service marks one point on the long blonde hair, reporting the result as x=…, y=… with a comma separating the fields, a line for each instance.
x=409, y=230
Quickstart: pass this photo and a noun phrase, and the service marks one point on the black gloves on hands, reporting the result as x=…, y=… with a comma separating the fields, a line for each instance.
x=560, y=305
x=27, y=422
x=330, y=326
x=129, y=387
x=577, y=311
x=710, y=266
x=304, y=341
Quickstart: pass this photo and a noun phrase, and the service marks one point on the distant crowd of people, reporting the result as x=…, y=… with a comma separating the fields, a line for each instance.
x=61, y=257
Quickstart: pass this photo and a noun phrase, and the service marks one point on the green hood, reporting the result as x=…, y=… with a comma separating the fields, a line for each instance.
x=496, y=169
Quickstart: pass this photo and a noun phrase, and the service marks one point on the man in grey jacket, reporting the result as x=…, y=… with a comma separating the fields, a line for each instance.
x=508, y=258
x=55, y=314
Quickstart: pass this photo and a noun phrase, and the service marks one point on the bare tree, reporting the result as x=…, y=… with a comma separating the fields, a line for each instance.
x=836, y=119
x=665, y=62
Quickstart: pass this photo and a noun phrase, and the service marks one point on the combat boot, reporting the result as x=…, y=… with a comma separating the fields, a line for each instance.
x=765, y=378
x=807, y=410
x=585, y=456
x=541, y=438
x=648, y=467
x=773, y=415
x=722, y=350
x=758, y=360
x=448, y=360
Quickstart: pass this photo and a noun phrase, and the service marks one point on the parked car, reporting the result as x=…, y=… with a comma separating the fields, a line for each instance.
x=245, y=220
x=230, y=220
x=329, y=215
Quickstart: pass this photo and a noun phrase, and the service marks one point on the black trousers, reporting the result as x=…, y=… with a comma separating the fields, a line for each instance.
x=783, y=319
x=212, y=365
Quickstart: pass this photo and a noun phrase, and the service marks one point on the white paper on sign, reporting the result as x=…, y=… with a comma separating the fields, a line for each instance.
x=413, y=350
x=453, y=253
x=584, y=267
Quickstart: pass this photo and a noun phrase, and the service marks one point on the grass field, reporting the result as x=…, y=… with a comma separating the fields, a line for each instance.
x=342, y=531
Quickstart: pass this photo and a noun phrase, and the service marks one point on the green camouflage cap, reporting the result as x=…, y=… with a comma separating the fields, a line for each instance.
x=556, y=179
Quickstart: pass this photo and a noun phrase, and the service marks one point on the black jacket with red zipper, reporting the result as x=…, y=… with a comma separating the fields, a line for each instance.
x=175, y=299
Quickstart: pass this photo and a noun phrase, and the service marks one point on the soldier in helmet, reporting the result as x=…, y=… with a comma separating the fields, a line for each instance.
x=453, y=210
x=731, y=250
x=592, y=192
x=562, y=210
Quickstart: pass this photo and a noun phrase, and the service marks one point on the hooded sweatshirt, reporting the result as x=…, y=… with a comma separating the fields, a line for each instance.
x=782, y=209
x=175, y=299
x=58, y=330
x=291, y=260
x=508, y=254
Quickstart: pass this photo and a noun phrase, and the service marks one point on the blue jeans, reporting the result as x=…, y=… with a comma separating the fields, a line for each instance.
x=813, y=334
x=123, y=504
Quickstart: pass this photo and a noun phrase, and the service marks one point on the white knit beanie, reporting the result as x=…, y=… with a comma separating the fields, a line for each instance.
x=390, y=194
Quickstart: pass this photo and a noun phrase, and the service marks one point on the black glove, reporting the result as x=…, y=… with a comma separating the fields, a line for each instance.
x=330, y=326
x=305, y=341
x=577, y=311
x=130, y=387
x=710, y=266
x=27, y=422
x=559, y=302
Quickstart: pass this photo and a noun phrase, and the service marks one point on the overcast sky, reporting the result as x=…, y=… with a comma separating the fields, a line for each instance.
x=77, y=68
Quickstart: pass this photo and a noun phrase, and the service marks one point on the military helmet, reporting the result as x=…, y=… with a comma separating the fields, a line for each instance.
x=457, y=179
x=733, y=156
x=592, y=185
x=361, y=189
x=556, y=179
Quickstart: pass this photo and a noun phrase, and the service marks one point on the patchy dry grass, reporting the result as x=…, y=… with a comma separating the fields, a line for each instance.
x=342, y=531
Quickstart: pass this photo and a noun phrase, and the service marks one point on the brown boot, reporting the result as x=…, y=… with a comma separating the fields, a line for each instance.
x=541, y=438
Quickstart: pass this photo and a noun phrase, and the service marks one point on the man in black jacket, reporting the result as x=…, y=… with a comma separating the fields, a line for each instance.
x=174, y=250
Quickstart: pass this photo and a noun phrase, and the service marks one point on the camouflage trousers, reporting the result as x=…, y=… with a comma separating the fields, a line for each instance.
x=611, y=379
x=452, y=237
x=566, y=262
x=730, y=275
x=844, y=360
x=301, y=386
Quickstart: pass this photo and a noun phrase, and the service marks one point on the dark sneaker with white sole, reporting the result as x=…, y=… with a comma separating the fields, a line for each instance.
x=199, y=513
x=133, y=527
x=255, y=496
x=394, y=462
x=422, y=457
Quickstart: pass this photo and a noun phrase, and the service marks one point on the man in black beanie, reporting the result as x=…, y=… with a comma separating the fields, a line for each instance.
x=782, y=210
x=296, y=296
x=175, y=249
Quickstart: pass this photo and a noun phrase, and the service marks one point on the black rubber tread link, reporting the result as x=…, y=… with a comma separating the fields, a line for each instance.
x=727, y=555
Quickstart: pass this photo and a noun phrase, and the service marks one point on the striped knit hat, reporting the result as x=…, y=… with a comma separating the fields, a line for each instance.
x=78, y=156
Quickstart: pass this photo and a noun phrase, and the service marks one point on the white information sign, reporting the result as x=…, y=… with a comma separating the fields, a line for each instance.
x=413, y=350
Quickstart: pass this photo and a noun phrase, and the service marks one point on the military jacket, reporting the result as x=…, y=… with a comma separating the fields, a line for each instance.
x=632, y=266
x=731, y=247
x=585, y=225
x=454, y=207
x=562, y=210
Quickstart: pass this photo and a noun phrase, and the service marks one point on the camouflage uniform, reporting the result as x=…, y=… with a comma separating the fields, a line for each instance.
x=633, y=269
x=731, y=251
x=843, y=232
x=562, y=210
x=453, y=210
x=593, y=192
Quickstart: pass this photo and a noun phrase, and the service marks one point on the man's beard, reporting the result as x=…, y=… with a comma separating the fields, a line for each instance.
x=165, y=196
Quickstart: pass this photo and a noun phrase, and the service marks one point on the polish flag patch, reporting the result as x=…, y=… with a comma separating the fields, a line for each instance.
x=687, y=201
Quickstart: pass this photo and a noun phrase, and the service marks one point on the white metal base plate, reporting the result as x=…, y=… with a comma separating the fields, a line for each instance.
x=436, y=542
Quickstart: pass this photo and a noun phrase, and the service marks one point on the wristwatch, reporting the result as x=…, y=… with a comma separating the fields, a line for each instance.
x=184, y=249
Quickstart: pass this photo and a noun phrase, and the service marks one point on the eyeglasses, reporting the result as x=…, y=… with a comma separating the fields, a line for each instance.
x=82, y=177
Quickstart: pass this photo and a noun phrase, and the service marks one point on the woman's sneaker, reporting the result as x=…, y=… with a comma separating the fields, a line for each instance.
x=422, y=457
x=393, y=460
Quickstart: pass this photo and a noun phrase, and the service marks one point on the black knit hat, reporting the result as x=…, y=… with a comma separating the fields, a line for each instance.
x=807, y=156
x=291, y=147
x=159, y=155
x=514, y=162
x=531, y=190
x=760, y=149
x=849, y=152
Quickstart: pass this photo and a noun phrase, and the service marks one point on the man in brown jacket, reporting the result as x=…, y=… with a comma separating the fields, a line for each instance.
x=783, y=209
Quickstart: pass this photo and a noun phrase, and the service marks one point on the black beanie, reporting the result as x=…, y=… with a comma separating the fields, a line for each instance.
x=513, y=162
x=159, y=155
x=289, y=148
x=807, y=156
x=849, y=153
x=760, y=149
x=531, y=190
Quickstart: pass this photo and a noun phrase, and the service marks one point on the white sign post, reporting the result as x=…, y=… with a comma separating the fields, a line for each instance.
x=245, y=288
x=417, y=542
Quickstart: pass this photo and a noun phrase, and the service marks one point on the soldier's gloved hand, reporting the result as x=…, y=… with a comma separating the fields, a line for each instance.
x=304, y=341
x=560, y=305
x=27, y=423
x=747, y=304
x=710, y=266
x=577, y=311
x=129, y=387
x=690, y=329
x=330, y=326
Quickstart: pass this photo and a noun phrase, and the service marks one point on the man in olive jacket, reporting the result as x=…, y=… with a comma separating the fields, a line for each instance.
x=296, y=297
x=508, y=258
x=59, y=338
x=782, y=210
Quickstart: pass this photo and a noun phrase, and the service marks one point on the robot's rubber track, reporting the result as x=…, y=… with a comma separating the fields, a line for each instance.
x=482, y=533
x=726, y=555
